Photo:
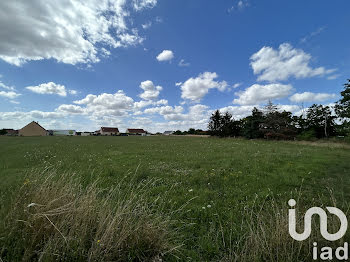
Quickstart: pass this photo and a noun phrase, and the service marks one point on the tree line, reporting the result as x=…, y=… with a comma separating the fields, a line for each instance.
x=318, y=121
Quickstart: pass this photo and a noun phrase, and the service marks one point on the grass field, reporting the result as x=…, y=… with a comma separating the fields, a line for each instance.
x=220, y=196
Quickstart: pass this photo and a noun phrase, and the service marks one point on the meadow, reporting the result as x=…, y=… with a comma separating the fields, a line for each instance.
x=193, y=198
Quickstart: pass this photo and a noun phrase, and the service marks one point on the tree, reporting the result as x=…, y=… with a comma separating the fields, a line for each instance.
x=319, y=118
x=342, y=107
x=191, y=131
x=270, y=108
x=251, y=124
x=3, y=132
x=214, y=125
x=277, y=125
x=178, y=132
x=223, y=125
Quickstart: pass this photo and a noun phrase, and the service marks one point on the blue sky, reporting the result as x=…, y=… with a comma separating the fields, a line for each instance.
x=166, y=65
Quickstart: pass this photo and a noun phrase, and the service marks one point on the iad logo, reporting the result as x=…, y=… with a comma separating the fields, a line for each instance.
x=341, y=253
x=323, y=222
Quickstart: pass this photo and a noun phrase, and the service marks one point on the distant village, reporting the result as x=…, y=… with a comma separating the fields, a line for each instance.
x=35, y=129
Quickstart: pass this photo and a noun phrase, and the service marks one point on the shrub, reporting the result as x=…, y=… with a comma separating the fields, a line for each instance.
x=55, y=218
x=307, y=135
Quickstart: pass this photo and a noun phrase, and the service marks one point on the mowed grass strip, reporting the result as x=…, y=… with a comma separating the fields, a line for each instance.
x=212, y=181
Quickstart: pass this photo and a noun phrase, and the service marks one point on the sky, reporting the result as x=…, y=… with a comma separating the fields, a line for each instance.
x=164, y=64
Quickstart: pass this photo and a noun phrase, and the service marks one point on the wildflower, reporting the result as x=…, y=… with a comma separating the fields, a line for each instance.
x=190, y=190
x=31, y=205
x=98, y=241
x=208, y=206
x=203, y=208
x=27, y=181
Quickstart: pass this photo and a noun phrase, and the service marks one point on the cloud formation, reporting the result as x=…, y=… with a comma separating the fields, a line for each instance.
x=311, y=97
x=49, y=88
x=70, y=32
x=196, y=88
x=277, y=65
x=182, y=63
x=256, y=93
x=9, y=94
x=166, y=55
x=142, y=4
x=151, y=91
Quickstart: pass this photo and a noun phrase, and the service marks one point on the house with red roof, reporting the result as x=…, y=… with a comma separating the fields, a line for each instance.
x=136, y=132
x=109, y=131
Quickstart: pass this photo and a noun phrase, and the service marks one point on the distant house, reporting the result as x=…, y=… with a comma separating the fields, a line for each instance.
x=168, y=133
x=109, y=131
x=136, y=132
x=86, y=134
x=33, y=129
x=96, y=133
x=63, y=132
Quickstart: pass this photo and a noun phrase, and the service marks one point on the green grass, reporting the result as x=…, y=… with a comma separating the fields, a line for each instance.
x=216, y=179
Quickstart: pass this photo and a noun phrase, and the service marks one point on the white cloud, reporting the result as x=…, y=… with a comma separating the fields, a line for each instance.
x=87, y=100
x=262, y=93
x=10, y=94
x=147, y=25
x=182, y=63
x=151, y=91
x=117, y=104
x=332, y=77
x=196, y=88
x=142, y=4
x=2, y=85
x=197, y=117
x=166, y=55
x=48, y=88
x=35, y=114
x=277, y=65
x=72, y=109
x=145, y=103
x=238, y=112
x=70, y=32
x=105, y=107
x=288, y=108
x=164, y=110
x=73, y=92
x=241, y=5
x=311, y=97
x=312, y=34
x=237, y=85
x=178, y=84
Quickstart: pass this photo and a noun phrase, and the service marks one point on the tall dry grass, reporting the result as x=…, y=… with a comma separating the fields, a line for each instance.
x=264, y=234
x=55, y=218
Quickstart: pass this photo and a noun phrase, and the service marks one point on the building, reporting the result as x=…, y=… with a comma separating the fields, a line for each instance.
x=33, y=129
x=136, y=132
x=63, y=132
x=109, y=131
x=86, y=134
x=168, y=133
x=9, y=132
